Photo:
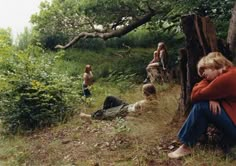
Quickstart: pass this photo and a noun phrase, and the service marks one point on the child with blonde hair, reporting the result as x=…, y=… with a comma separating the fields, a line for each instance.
x=214, y=102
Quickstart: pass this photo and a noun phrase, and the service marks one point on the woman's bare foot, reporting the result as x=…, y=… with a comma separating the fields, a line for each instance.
x=182, y=151
x=83, y=115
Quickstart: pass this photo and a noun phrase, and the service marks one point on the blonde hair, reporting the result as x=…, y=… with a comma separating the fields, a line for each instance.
x=214, y=60
x=149, y=91
x=162, y=46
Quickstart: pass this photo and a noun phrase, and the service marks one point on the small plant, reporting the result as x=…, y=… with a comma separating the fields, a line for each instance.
x=121, y=125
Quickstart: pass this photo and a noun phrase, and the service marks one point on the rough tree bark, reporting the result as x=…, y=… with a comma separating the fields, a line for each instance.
x=231, y=39
x=201, y=39
x=183, y=77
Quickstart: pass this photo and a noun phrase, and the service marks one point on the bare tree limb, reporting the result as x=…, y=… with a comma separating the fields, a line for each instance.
x=114, y=33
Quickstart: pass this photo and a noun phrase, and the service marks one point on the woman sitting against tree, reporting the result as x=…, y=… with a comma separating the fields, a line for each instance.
x=114, y=107
x=214, y=101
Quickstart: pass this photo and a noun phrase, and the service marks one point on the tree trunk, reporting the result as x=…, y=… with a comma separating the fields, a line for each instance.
x=231, y=39
x=201, y=39
x=183, y=77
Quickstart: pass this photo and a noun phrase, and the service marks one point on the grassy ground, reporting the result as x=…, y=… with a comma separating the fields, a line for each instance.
x=142, y=140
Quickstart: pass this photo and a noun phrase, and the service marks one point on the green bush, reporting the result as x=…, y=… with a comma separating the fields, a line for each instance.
x=32, y=105
x=35, y=96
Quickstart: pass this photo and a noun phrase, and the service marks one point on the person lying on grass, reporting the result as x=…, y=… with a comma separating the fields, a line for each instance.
x=114, y=107
x=214, y=101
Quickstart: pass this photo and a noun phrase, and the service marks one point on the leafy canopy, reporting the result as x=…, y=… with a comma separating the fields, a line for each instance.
x=102, y=17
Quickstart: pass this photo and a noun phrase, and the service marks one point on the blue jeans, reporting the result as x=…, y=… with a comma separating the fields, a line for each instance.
x=198, y=120
x=86, y=91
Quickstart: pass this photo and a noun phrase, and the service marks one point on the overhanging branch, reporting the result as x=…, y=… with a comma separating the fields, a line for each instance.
x=114, y=33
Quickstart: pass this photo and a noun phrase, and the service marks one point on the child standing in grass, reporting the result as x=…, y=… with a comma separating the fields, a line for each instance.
x=114, y=107
x=87, y=80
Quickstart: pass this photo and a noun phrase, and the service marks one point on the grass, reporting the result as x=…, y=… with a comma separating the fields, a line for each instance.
x=142, y=140
x=12, y=150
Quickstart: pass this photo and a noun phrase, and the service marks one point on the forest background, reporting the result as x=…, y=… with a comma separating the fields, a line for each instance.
x=40, y=87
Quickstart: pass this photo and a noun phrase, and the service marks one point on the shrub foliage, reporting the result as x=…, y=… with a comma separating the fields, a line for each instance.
x=33, y=96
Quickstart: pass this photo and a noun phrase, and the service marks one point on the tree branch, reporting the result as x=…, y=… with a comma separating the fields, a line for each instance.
x=114, y=33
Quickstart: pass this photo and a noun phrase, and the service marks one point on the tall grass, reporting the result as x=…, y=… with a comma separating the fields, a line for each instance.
x=106, y=62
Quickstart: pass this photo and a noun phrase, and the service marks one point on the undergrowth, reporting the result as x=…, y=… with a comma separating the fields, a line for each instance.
x=143, y=140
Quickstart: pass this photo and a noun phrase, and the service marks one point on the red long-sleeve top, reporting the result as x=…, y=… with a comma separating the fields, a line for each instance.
x=222, y=89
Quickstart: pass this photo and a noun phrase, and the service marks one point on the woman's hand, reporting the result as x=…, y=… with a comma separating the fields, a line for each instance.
x=215, y=107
